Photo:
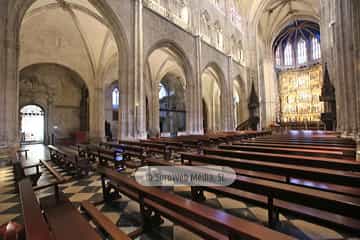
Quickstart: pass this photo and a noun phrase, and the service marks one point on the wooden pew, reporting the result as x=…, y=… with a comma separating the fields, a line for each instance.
x=172, y=145
x=70, y=159
x=19, y=172
x=103, y=222
x=319, y=206
x=77, y=160
x=348, y=152
x=58, y=179
x=114, y=156
x=330, y=163
x=36, y=227
x=156, y=148
x=289, y=173
x=65, y=221
x=311, y=138
x=292, y=151
x=90, y=151
x=305, y=143
x=127, y=151
x=200, y=219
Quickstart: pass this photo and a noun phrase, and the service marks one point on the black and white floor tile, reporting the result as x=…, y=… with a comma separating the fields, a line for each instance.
x=125, y=213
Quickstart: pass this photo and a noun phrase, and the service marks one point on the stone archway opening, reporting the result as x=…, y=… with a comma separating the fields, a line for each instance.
x=75, y=45
x=211, y=94
x=166, y=91
x=63, y=96
x=32, y=124
x=172, y=106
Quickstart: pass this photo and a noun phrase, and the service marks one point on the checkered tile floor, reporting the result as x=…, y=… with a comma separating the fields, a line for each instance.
x=125, y=212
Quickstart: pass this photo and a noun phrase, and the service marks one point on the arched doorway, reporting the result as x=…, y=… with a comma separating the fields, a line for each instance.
x=62, y=94
x=32, y=124
x=211, y=79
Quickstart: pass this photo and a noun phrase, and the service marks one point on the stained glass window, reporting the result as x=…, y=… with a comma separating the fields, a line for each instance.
x=301, y=52
x=277, y=56
x=288, y=55
x=115, y=98
x=316, y=52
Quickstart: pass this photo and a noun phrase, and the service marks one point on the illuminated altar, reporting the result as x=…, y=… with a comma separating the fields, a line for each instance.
x=299, y=94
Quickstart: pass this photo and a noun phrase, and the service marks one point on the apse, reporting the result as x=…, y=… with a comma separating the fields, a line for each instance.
x=297, y=57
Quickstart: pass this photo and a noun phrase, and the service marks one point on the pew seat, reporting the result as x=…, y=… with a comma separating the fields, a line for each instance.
x=202, y=220
x=304, y=212
x=65, y=221
x=310, y=161
x=331, y=203
x=103, y=222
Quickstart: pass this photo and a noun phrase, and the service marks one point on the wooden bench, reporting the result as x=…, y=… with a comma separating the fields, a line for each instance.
x=89, y=150
x=23, y=151
x=128, y=151
x=114, y=156
x=19, y=173
x=70, y=159
x=103, y=222
x=65, y=220
x=340, y=181
x=156, y=148
x=55, y=154
x=336, y=205
x=172, y=145
x=77, y=161
x=311, y=161
x=36, y=227
x=200, y=219
x=292, y=151
x=305, y=143
x=348, y=152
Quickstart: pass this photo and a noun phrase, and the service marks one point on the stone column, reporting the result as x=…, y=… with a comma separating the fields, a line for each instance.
x=3, y=43
x=230, y=97
x=196, y=117
x=97, y=115
x=11, y=92
x=340, y=21
x=270, y=88
x=155, y=109
x=140, y=109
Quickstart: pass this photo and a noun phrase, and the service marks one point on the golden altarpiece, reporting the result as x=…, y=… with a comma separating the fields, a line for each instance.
x=300, y=92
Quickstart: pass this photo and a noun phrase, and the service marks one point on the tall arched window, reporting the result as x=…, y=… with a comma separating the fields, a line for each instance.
x=301, y=51
x=277, y=56
x=288, y=56
x=316, y=52
x=115, y=98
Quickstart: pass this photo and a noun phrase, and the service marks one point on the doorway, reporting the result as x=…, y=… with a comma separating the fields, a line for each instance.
x=32, y=124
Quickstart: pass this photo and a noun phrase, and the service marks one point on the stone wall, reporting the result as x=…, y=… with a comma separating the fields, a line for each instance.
x=58, y=91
